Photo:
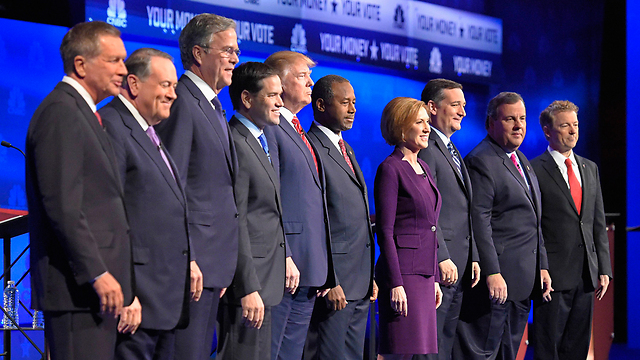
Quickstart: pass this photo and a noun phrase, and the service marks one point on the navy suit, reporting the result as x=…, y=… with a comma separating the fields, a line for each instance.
x=157, y=213
x=341, y=333
x=306, y=227
x=506, y=224
x=455, y=236
x=206, y=161
x=578, y=250
x=77, y=223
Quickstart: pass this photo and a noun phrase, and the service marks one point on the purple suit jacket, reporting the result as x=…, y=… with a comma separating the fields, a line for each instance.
x=405, y=222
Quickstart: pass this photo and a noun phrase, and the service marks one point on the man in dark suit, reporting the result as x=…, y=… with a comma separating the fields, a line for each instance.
x=506, y=226
x=457, y=253
x=303, y=205
x=198, y=137
x=245, y=313
x=340, y=318
x=80, y=248
x=575, y=236
x=156, y=208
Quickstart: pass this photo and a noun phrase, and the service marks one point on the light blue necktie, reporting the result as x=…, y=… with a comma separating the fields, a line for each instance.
x=265, y=146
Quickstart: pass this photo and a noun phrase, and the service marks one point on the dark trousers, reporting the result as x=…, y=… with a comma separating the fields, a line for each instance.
x=194, y=342
x=290, y=323
x=80, y=335
x=337, y=334
x=562, y=327
x=487, y=330
x=447, y=314
x=146, y=344
x=236, y=341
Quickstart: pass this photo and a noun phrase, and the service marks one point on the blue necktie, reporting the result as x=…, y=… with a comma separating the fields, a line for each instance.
x=265, y=146
x=454, y=155
x=222, y=118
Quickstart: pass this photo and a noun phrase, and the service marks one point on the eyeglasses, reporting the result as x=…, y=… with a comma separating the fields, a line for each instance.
x=225, y=52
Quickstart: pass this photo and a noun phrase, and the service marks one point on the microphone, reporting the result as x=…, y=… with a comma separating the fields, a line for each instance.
x=8, y=145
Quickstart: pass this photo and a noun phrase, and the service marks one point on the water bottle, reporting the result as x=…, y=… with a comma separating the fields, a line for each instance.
x=38, y=320
x=10, y=305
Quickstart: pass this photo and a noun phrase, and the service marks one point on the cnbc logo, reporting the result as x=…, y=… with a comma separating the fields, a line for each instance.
x=116, y=14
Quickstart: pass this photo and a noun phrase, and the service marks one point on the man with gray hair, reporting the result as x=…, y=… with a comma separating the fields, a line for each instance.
x=198, y=137
x=156, y=209
x=80, y=247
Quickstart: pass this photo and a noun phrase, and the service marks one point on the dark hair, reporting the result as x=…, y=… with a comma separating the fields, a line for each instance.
x=248, y=76
x=84, y=40
x=504, y=97
x=139, y=62
x=434, y=90
x=323, y=88
x=199, y=31
x=546, y=116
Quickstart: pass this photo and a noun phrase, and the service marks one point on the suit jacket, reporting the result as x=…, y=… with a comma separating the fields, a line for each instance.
x=261, y=258
x=567, y=235
x=455, y=235
x=506, y=218
x=195, y=138
x=348, y=207
x=77, y=220
x=304, y=211
x=157, y=212
x=405, y=222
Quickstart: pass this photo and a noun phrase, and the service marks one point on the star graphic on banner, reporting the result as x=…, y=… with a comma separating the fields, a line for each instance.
x=374, y=51
x=335, y=4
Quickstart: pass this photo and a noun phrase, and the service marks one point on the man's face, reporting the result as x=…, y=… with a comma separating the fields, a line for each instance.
x=156, y=94
x=264, y=107
x=217, y=64
x=296, y=85
x=563, y=134
x=447, y=115
x=339, y=112
x=510, y=126
x=103, y=74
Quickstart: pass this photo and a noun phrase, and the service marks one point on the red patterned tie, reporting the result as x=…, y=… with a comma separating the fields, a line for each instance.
x=343, y=150
x=99, y=118
x=574, y=185
x=296, y=124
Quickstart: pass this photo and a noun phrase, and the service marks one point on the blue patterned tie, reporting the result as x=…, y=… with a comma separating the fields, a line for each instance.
x=454, y=155
x=265, y=146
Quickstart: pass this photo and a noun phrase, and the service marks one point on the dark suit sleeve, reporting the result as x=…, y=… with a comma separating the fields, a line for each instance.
x=386, y=199
x=427, y=157
x=481, y=212
x=58, y=154
x=600, y=237
x=176, y=133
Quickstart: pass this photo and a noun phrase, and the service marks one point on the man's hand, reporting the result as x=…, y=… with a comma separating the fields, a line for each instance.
x=399, y=300
x=497, y=288
x=448, y=272
x=475, y=273
x=546, y=285
x=374, y=292
x=604, y=285
x=438, y=295
x=322, y=292
x=336, y=300
x=252, y=310
x=292, y=276
x=130, y=318
x=110, y=294
x=196, y=281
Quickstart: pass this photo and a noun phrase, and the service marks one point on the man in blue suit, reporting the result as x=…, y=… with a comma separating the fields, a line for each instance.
x=198, y=137
x=303, y=204
x=156, y=209
x=506, y=217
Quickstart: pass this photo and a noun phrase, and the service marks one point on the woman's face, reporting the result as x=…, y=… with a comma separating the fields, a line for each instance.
x=417, y=137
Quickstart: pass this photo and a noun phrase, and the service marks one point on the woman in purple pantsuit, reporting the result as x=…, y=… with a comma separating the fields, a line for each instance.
x=407, y=207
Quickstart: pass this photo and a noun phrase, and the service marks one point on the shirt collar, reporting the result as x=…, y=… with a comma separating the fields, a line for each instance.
x=442, y=136
x=288, y=115
x=333, y=137
x=253, y=129
x=559, y=158
x=134, y=112
x=81, y=90
x=207, y=91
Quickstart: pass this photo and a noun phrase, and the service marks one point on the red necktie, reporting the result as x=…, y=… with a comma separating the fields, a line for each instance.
x=298, y=127
x=99, y=118
x=343, y=150
x=515, y=162
x=574, y=185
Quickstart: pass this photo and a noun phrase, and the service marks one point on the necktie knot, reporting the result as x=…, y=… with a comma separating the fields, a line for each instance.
x=99, y=117
x=265, y=145
x=515, y=162
x=574, y=185
x=299, y=130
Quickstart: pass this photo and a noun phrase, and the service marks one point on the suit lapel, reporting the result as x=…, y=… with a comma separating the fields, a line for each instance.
x=533, y=194
x=332, y=151
x=551, y=168
x=513, y=170
x=443, y=149
x=293, y=134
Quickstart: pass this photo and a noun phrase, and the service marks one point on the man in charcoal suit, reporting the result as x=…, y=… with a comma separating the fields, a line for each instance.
x=575, y=236
x=164, y=263
x=80, y=248
x=340, y=318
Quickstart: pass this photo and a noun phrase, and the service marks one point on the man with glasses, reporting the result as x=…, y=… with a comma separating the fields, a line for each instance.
x=198, y=138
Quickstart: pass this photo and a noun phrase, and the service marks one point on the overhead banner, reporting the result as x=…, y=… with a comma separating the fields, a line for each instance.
x=415, y=38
